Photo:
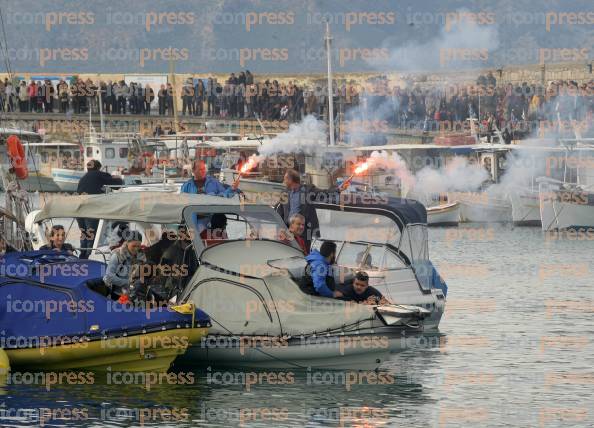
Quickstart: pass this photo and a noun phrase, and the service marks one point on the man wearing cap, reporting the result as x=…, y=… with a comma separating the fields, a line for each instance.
x=92, y=184
x=207, y=184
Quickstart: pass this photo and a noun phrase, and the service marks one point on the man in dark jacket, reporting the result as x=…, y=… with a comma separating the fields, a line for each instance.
x=361, y=292
x=298, y=200
x=92, y=184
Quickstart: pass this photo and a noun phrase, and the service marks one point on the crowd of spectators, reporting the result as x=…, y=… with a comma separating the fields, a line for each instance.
x=417, y=105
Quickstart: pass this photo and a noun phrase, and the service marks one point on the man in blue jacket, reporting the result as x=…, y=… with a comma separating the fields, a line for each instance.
x=319, y=280
x=204, y=183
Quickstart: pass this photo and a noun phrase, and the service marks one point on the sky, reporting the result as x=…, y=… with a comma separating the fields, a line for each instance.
x=47, y=36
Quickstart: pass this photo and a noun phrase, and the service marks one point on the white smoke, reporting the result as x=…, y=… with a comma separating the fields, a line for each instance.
x=305, y=136
x=443, y=51
x=457, y=176
x=394, y=163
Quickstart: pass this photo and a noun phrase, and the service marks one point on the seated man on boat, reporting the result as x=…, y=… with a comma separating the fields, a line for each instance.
x=296, y=228
x=181, y=258
x=207, y=184
x=216, y=229
x=57, y=238
x=319, y=278
x=361, y=292
x=122, y=265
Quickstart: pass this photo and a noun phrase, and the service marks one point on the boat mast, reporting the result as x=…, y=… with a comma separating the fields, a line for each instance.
x=328, y=39
x=174, y=95
x=100, y=109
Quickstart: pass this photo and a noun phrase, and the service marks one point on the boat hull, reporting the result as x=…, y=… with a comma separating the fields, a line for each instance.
x=444, y=215
x=364, y=351
x=67, y=179
x=525, y=205
x=146, y=352
x=561, y=209
x=482, y=208
x=37, y=182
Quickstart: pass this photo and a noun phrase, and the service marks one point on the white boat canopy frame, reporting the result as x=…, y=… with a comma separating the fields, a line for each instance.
x=148, y=207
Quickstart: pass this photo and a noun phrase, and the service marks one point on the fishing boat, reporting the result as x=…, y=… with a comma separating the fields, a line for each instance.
x=61, y=316
x=40, y=157
x=568, y=203
x=244, y=281
x=525, y=203
x=115, y=151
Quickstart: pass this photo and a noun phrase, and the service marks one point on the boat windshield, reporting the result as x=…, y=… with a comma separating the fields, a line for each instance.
x=225, y=223
x=357, y=226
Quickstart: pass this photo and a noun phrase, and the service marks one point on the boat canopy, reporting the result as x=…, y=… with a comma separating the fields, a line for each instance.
x=149, y=207
x=252, y=288
x=399, y=210
x=401, y=223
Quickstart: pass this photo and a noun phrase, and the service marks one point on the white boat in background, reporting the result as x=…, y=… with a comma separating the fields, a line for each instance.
x=117, y=153
x=447, y=214
x=569, y=203
x=565, y=205
x=42, y=157
x=481, y=207
x=525, y=203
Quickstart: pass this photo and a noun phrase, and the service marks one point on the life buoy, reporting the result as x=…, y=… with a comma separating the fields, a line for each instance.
x=16, y=153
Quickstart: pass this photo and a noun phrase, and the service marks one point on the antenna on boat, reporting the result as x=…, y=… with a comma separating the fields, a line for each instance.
x=328, y=39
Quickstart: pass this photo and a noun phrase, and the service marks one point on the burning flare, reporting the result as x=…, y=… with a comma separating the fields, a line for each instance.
x=358, y=170
x=249, y=165
x=362, y=168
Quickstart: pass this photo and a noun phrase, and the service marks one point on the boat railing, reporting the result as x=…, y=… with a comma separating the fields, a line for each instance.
x=104, y=254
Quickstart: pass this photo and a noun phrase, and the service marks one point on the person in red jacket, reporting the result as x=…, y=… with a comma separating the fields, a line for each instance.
x=296, y=228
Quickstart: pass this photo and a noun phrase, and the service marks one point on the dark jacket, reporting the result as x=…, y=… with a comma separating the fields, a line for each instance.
x=50, y=246
x=92, y=182
x=308, y=194
x=350, y=294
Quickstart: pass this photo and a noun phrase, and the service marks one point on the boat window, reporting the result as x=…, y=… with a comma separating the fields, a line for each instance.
x=353, y=255
x=109, y=153
x=123, y=152
x=376, y=257
x=89, y=152
x=357, y=226
x=111, y=233
x=249, y=224
x=392, y=261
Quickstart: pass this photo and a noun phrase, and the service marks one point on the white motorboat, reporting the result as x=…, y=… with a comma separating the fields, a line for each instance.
x=447, y=214
x=250, y=281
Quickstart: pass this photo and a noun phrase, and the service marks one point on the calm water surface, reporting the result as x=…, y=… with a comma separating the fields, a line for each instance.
x=516, y=350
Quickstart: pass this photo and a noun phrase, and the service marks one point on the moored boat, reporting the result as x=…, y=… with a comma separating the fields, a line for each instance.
x=59, y=315
x=447, y=214
x=249, y=282
x=565, y=205
x=525, y=206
